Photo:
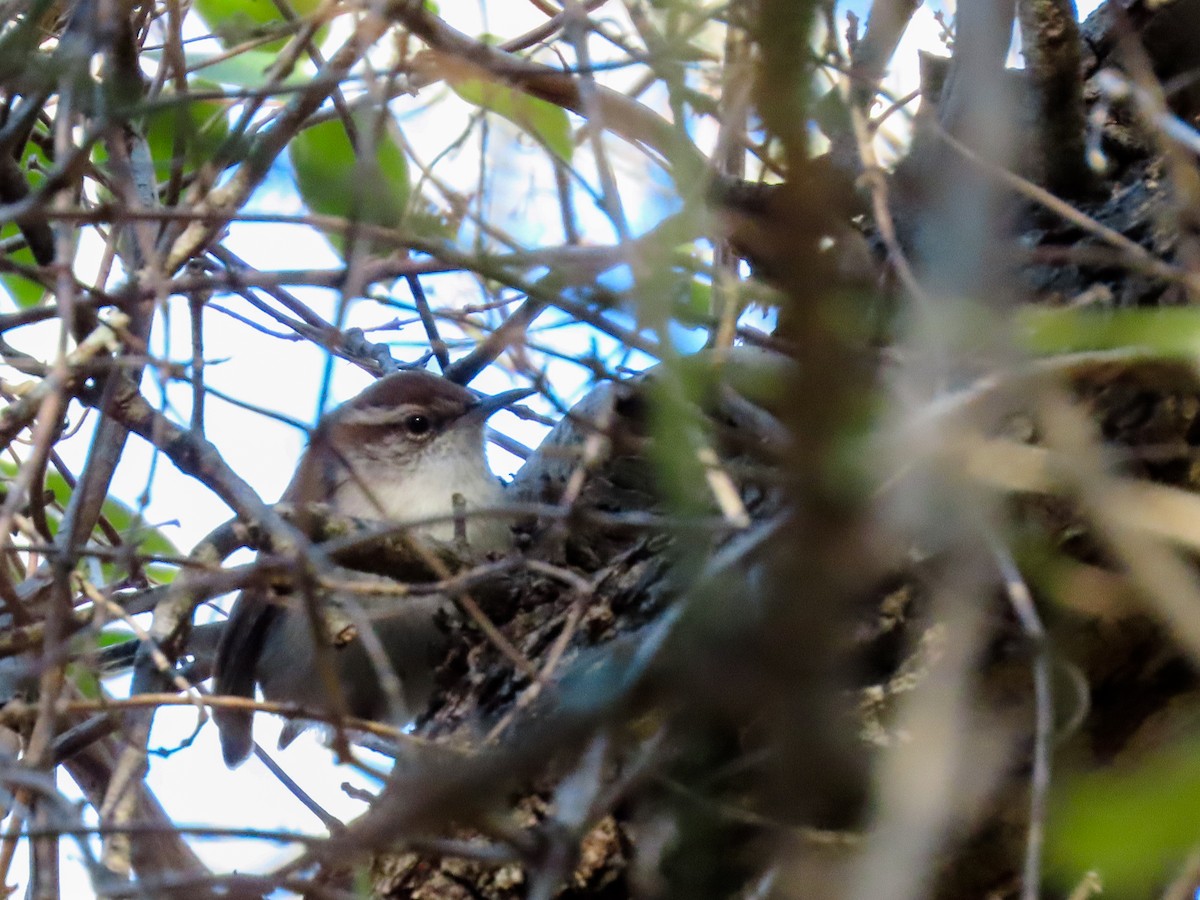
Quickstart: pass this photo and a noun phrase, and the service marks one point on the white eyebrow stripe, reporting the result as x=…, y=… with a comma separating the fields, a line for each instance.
x=382, y=415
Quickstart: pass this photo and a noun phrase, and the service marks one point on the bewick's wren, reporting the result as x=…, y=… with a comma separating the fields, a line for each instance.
x=401, y=450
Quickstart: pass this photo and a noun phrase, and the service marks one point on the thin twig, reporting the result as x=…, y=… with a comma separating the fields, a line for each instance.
x=1043, y=734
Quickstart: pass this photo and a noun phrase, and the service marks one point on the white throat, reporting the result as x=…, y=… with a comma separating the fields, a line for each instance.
x=413, y=489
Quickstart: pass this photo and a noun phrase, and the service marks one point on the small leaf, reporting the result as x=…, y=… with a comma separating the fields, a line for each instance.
x=1169, y=332
x=680, y=434
x=1130, y=826
x=25, y=292
x=429, y=222
x=195, y=129
x=369, y=186
x=85, y=682
x=234, y=22
x=548, y=123
x=695, y=307
x=117, y=635
x=145, y=539
x=247, y=69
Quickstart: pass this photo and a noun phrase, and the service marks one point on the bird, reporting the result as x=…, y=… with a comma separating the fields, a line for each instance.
x=399, y=451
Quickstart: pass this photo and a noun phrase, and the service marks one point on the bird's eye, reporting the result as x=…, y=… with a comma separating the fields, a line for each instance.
x=417, y=425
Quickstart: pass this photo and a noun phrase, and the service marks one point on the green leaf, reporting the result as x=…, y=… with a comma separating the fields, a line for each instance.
x=85, y=681
x=680, y=432
x=237, y=21
x=83, y=674
x=545, y=121
x=1131, y=826
x=696, y=306
x=368, y=186
x=145, y=539
x=194, y=129
x=247, y=69
x=118, y=634
x=427, y=221
x=135, y=532
x=25, y=292
x=1168, y=332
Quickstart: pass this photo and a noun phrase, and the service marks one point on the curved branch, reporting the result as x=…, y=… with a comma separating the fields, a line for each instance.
x=627, y=118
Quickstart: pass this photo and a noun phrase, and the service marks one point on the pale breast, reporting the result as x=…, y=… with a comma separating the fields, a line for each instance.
x=427, y=491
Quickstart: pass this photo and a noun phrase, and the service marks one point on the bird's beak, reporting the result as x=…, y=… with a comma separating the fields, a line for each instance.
x=488, y=405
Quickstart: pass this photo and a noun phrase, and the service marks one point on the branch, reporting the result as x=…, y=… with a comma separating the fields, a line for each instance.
x=624, y=117
x=1052, y=47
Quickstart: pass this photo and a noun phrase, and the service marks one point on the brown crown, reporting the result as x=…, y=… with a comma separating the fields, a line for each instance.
x=442, y=399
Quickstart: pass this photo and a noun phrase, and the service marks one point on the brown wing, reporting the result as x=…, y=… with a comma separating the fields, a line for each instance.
x=235, y=670
x=253, y=617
